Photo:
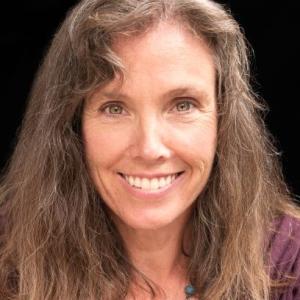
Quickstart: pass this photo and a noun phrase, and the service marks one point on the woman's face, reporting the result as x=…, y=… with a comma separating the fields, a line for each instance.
x=150, y=140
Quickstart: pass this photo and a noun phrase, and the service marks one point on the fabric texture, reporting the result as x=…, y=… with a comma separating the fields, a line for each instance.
x=285, y=256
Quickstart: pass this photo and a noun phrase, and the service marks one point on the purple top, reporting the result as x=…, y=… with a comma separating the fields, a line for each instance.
x=285, y=255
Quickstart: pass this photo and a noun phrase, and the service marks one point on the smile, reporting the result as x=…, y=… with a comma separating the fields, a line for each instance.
x=152, y=184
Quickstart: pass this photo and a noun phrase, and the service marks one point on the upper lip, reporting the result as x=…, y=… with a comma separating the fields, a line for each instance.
x=145, y=175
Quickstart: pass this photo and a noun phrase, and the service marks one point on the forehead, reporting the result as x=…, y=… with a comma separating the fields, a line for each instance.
x=166, y=58
x=165, y=39
x=165, y=49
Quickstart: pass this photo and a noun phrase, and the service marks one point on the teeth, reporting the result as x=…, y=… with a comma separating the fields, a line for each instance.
x=162, y=182
x=150, y=184
x=146, y=183
x=154, y=184
x=131, y=180
x=137, y=182
x=168, y=180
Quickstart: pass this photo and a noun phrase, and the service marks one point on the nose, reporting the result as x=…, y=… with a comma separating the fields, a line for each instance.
x=150, y=140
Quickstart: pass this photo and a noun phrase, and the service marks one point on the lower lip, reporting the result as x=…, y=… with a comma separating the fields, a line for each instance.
x=151, y=194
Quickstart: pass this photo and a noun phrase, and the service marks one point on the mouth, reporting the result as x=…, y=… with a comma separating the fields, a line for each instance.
x=150, y=184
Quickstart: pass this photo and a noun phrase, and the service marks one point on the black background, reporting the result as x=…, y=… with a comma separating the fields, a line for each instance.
x=272, y=28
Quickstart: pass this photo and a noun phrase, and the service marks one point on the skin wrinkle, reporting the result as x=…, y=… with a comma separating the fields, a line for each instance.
x=246, y=188
x=149, y=135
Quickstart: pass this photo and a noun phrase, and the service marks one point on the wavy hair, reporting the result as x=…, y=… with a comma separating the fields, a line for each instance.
x=57, y=238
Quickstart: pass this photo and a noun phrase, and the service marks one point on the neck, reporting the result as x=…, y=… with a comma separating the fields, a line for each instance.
x=157, y=253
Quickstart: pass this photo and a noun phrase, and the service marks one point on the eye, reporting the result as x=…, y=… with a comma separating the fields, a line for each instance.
x=185, y=106
x=112, y=109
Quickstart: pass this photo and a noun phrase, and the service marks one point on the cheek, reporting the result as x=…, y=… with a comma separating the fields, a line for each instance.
x=197, y=140
x=103, y=147
x=106, y=145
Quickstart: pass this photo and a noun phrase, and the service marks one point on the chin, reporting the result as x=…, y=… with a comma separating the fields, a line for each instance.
x=154, y=220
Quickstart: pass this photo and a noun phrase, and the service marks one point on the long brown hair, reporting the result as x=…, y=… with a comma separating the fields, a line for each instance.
x=58, y=240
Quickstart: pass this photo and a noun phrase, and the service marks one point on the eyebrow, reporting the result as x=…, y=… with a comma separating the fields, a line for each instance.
x=177, y=92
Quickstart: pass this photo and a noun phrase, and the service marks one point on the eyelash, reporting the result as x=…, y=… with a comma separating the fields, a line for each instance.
x=116, y=104
x=110, y=105
x=189, y=102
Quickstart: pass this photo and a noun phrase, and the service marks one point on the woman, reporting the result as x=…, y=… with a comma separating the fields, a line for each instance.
x=143, y=168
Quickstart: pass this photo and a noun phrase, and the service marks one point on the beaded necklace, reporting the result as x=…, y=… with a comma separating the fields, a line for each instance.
x=189, y=291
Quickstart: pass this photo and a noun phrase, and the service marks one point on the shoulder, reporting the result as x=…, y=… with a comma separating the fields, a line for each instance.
x=284, y=248
x=285, y=238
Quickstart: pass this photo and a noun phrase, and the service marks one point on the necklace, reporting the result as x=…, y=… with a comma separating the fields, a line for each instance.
x=189, y=291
